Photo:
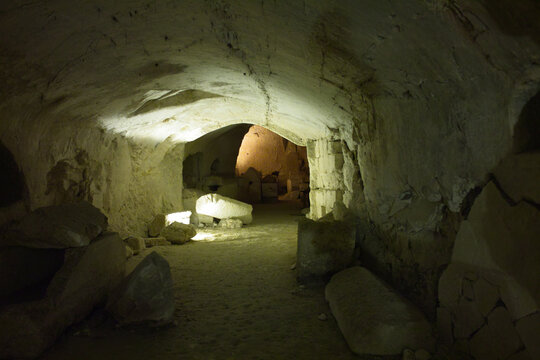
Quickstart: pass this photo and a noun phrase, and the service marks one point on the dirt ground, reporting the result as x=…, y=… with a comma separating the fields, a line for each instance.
x=236, y=298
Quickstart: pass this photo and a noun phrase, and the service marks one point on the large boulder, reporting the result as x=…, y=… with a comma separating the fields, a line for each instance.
x=222, y=207
x=59, y=227
x=146, y=295
x=324, y=248
x=178, y=233
x=88, y=275
x=373, y=318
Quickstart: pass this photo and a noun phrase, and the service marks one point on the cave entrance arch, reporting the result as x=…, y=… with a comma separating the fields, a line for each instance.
x=249, y=163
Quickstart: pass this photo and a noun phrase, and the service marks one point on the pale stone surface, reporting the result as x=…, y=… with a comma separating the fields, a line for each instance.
x=222, y=207
x=84, y=281
x=156, y=225
x=528, y=329
x=230, y=223
x=178, y=233
x=146, y=295
x=324, y=247
x=136, y=244
x=62, y=226
x=372, y=317
x=205, y=219
x=498, y=339
x=158, y=241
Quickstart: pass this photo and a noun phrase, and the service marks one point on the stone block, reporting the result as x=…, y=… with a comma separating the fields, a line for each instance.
x=498, y=339
x=136, y=244
x=324, y=247
x=57, y=227
x=205, y=219
x=145, y=295
x=528, y=329
x=183, y=217
x=222, y=207
x=373, y=318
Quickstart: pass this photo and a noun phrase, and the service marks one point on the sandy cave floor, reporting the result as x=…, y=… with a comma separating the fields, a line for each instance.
x=236, y=298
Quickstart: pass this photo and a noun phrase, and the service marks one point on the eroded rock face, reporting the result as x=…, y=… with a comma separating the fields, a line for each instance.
x=178, y=233
x=491, y=288
x=146, y=295
x=222, y=207
x=59, y=227
x=230, y=223
x=84, y=281
x=373, y=318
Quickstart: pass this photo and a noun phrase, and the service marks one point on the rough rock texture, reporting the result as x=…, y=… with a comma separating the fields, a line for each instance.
x=84, y=281
x=421, y=96
x=159, y=241
x=222, y=207
x=136, y=244
x=61, y=226
x=518, y=175
x=178, y=233
x=324, y=248
x=146, y=295
x=156, y=225
x=373, y=318
x=494, y=262
x=230, y=223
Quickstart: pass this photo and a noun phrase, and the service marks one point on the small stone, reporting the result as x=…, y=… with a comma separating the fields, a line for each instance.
x=293, y=266
x=136, y=244
x=178, y=233
x=157, y=224
x=322, y=317
x=422, y=354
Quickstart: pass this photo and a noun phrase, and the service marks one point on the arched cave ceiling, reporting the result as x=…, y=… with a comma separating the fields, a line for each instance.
x=152, y=69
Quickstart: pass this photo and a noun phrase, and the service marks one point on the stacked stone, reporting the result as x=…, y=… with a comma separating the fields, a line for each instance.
x=326, y=172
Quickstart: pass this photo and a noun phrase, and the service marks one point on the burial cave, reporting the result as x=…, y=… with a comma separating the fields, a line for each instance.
x=270, y=179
